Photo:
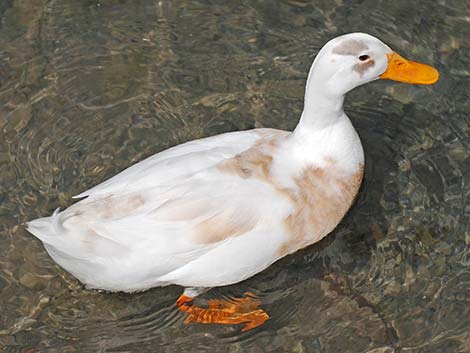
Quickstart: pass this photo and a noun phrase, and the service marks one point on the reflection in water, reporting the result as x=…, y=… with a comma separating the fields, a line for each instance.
x=87, y=88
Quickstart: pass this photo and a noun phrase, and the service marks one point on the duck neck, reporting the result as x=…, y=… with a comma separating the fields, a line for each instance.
x=321, y=108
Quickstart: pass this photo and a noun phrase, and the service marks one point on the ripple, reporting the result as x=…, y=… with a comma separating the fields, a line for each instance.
x=89, y=88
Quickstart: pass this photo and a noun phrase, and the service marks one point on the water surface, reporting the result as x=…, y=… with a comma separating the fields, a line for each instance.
x=88, y=88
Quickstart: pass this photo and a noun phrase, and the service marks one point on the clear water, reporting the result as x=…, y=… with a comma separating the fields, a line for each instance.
x=88, y=88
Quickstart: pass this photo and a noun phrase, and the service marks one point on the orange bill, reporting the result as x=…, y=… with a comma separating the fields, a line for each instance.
x=403, y=70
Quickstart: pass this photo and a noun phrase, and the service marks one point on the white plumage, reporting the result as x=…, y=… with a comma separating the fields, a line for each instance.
x=215, y=211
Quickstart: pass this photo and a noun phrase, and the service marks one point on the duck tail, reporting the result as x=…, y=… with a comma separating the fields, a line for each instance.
x=47, y=228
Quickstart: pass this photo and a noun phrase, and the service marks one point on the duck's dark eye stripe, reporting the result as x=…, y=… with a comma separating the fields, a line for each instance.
x=364, y=57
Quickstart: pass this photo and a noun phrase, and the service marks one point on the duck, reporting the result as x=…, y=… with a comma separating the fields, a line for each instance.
x=215, y=211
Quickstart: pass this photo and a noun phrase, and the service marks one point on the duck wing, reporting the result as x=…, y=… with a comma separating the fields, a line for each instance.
x=174, y=216
x=179, y=161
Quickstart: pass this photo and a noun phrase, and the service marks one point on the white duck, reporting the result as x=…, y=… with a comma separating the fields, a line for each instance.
x=218, y=210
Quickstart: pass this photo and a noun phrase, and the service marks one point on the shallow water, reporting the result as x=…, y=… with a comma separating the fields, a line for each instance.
x=88, y=88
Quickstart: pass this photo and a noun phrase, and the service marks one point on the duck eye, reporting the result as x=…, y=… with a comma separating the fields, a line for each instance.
x=364, y=57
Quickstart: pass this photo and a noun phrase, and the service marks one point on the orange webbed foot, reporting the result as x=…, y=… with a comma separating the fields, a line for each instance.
x=236, y=311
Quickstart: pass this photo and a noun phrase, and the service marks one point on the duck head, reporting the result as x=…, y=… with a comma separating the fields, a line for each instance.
x=349, y=61
x=353, y=59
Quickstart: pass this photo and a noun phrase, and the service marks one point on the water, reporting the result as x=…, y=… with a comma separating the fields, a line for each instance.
x=88, y=88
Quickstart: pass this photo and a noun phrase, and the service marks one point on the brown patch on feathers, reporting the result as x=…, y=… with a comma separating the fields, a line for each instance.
x=222, y=226
x=320, y=201
x=255, y=162
x=349, y=47
x=360, y=68
x=323, y=197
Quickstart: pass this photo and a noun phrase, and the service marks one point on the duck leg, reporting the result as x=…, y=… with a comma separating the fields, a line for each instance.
x=235, y=311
